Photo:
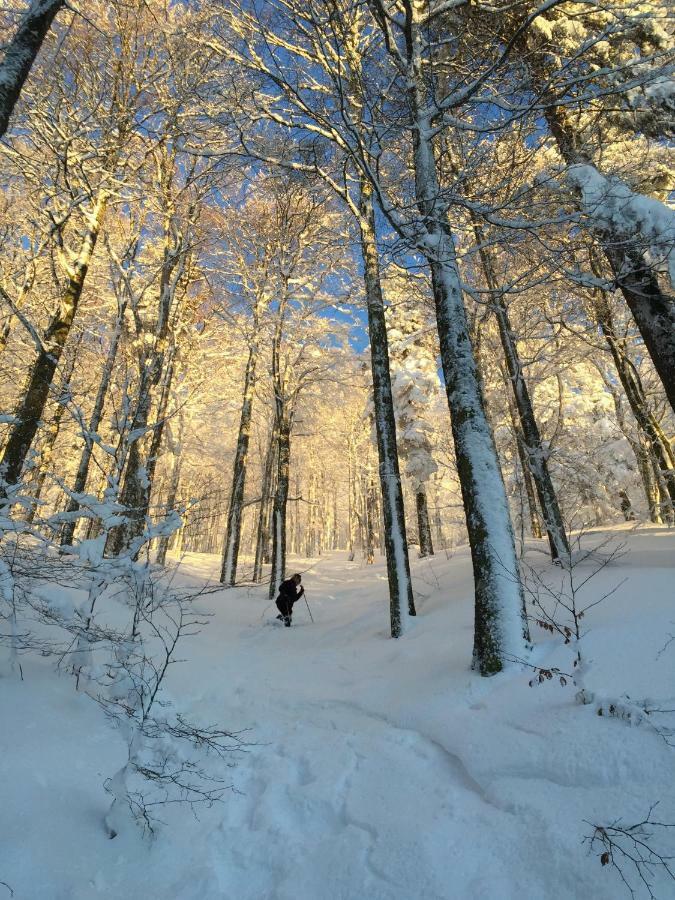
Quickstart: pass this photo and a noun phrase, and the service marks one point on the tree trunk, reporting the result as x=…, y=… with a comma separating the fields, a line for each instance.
x=423, y=526
x=31, y=408
x=131, y=460
x=68, y=531
x=310, y=532
x=350, y=504
x=395, y=541
x=535, y=524
x=280, y=505
x=297, y=518
x=665, y=505
x=335, y=539
x=527, y=435
x=26, y=287
x=652, y=309
x=47, y=449
x=370, y=514
x=649, y=483
x=228, y=571
x=438, y=523
x=535, y=454
x=169, y=508
x=140, y=466
x=652, y=432
x=156, y=440
x=360, y=511
x=500, y=624
x=21, y=52
x=262, y=531
x=647, y=465
x=132, y=494
x=135, y=491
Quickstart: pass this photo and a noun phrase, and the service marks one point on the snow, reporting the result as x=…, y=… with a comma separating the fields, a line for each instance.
x=620, y=212
x=415, y=385
x=661, y=91
x=379, y=769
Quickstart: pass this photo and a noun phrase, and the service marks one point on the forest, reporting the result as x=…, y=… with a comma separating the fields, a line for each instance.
x=381, y=293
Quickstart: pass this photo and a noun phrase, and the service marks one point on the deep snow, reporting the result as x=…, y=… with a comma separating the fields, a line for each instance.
x=382, y=770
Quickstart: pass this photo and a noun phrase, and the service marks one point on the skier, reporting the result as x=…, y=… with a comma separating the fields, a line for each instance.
x=288, y=594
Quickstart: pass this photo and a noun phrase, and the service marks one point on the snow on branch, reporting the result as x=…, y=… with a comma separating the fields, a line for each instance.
x=621, y=214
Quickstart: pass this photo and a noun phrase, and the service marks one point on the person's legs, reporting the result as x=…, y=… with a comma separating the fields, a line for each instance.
x=285, y=610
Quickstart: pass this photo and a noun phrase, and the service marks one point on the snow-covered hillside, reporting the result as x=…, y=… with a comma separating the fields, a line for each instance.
x=380, y=769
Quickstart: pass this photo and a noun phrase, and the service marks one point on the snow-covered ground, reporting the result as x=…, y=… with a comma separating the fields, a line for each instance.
x=382, y=770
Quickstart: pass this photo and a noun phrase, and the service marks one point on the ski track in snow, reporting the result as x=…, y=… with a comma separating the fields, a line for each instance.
x=378, y=770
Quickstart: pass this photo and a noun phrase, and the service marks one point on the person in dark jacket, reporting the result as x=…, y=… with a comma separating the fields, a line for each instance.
x=288, y=594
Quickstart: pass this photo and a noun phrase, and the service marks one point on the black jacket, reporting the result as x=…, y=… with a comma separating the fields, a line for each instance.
x=288, y=593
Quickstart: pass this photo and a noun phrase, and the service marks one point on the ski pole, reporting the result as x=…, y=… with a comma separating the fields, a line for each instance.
x=308, y=609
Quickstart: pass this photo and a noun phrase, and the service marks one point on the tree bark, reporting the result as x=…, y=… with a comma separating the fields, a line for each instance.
x=395, y=540
x=500, y=624
x=31, y=407
x=80, y=482
x=652, y=432
x=262, y=531
x=26, y=287
x=228, y=572
x=528, y=436
x=157, y=438
x=652, y=309
x=350, y=503
x=438, y=523
x=535, y=524
x=423, y=526
x=170, y=506
x=132, y=493
x=498, y=593
x=370, y=515
x=136, y=487
x=47, y=449
x=535, y=454
x=280, y=506
x=140, y=466
x=335, y=539
x=650, y=483
x=21, y=53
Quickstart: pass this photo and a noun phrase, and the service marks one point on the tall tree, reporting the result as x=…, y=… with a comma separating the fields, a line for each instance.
x=155, y=344
x=415, y=386
x=353, y=187
x=499, y=619
x=578, y=66
x=81, y=136
x=21, y=51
